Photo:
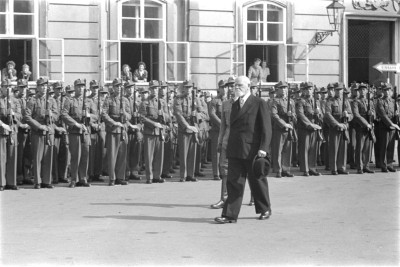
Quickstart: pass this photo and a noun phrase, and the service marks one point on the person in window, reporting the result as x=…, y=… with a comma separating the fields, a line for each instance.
x=140, y=74
x=9, y=72
x=126, y=73
x=264, y=71
x=254, y=73
x=25, y=72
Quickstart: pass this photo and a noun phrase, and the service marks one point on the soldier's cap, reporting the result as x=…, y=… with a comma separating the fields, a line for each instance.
x=386, y=86
x=69, y=88
x=128, y=84
x=143, y=90
x=163, y=84
x=42, y=80
x=221, y=83
x=323, y=90
x=231, y=80
x=153, y=83
x=363, y=85
x=330, y=85
x=57, y=85
x=316, y=90
x=94, y=84
x=31, y=92
x=355, y=86
x=188, y=83
x=261, y=166
x=305, y=85
x=295, y=89
x=80, y=82
x=253, y=84
x=116, y=81
x=281, y=84
x=22, y=83
x=50, y=90
x=103, y=90
x=339, y=86
x=10, y=63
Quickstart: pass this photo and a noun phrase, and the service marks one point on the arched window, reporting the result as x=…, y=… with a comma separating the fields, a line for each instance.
x=142, y=19
x=17, y=18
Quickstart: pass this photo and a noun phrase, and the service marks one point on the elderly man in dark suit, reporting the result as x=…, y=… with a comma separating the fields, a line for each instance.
x=250, y=136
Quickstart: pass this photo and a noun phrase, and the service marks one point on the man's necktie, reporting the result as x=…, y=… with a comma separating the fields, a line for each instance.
x=241, y=102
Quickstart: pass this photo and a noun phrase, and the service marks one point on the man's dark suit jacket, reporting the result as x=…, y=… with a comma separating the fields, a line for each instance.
x=250, y=129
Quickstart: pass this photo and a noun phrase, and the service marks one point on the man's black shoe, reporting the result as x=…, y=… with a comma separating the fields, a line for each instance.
x=334, y=173
x=167, y=176
x=265, y=215
x=219, y=205
x=360, y=172
x=111, y=183
x=306, y=174
x=391, y=169
x=1, y=188
x=134, y=177
x=217, y=178
x=43, y=185
x=199, y=174
x=158, y=180
x=287, y=174
x=384, y=170
x=120, y=182
x=149, y=181
x=223, y=220
x=278, y=175
x=11, y=187
x=27, y=181
x=72, y=184
x=82, y=184
x=366, y=170
x=314, y=173
x=342, y=172
x=191, y=179
x=63, y=181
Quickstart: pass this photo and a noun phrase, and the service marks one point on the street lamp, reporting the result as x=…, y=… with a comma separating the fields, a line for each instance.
x=335, y=11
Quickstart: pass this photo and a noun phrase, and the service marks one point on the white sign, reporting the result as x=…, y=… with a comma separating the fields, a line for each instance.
x=387, y=67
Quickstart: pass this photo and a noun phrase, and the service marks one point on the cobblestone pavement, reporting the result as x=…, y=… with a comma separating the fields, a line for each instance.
x=326, y=220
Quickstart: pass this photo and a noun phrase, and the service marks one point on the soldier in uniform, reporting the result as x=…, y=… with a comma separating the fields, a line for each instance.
x=10, y=117
x=116, y=114
x=164, y=94
x=187, y=133
x=135, y=135
x=352, y=131
x=363, y=128
x=330, y=90
x=377, y=146
x=215, y=113
x=154, y=112
x=42, y=132
x=281, y=141
x=60, y=158
x=308, y=130
x=387, y=129
x=77, y=113
x=337, y=118
x=23, y=134
x=203, y=120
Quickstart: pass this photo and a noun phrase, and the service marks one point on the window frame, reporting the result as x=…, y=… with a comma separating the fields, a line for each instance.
x=187, y=62
x=142, y=20
x=10, y=21
x=61, y=60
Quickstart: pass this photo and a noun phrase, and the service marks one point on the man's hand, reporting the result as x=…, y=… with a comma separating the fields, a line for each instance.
x=118, y=124
x=288, y=126
x=158, y=125
x=24, y=126
x=316, y=127
x=261, y=153
x=345, y=114
x=395, y=126
x=6, y=127
x=43, y=128
x=369, y=126
x=193, y=129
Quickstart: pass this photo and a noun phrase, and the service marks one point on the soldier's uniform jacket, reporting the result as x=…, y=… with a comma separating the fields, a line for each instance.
x=360, y=110
x=305, y=113
x=59, y=122
x=72, y=113
x=17, y=117
x=96, y=124
x=22, y=102
x=334, y=112
x=385, y=111
x=279, y=113
x=134, y=108
x=35, y=113
x=203, y=119
x=150, y=114
x=225, y=122
x=215, y=113
x=111, y=113
x=183, y=111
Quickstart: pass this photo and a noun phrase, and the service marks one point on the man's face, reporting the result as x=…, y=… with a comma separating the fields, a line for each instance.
x=283, y=92
x=79, y=89
x=22, y=91
x=41, y=89
x=129, y=90
x=363, y=91
x=241, y=86
x=145, y=95
x=331, y=92
x=57, y=92
x=163, y=91
x=117, y=89
x=154, y=91
x=254, y=91
x=307, y=92
x=339, y=93
x=95, y=91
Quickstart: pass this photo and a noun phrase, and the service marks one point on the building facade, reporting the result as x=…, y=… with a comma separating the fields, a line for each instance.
x=202, y=40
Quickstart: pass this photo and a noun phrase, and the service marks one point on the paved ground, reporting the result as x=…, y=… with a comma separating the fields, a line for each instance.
x=327, y=220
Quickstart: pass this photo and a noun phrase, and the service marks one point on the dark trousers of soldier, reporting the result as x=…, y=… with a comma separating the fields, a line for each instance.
x=238, y=170
x=8, y=163
x=21, y=167
x=187, y=154
x=97, y=153
x=223, y=170
x=351, y=150
x=79, y=157
x=386, y=149
x=363, y=148
x=282, y=151
x=215, y=156
x=60, y=158
x=134, y=150
x=307, y=150
x=199, y=158
x=42, y=155
x=337, y=150
x=377, y=145
x=116, y=156
x=153, y=156
x=167, y=164
x=295, y=159
x=325, y=146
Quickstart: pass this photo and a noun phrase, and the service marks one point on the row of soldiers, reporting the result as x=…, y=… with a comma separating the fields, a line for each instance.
x=94, y=132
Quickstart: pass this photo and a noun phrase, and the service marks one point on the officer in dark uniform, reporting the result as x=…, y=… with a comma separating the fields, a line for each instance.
x=77, y=117
x=308, y=130
x=116, y=114
x=187, y=133
x=281, y=141
x=334, y=114
x=10, y=117
x=60, y=160
x=154, y=112
x=42, y=132
x=363, y=128
x=387, y=129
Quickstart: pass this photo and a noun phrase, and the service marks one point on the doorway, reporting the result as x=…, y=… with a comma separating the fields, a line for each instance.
x=264, y=52
x=133, y=53
x=369, y=42
x=19, y=51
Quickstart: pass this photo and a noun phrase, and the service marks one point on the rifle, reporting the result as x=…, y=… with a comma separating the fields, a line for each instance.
x=10, y=140
x=370, y=119
x=99, y=111
x=122, y=115
x=292, y=135
x=61, y=122
x=259, y=89
x=346, y=136
x=193, y=118
x=47, y=117
x=85, y=120
x=160, y=117
x=320, y=137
